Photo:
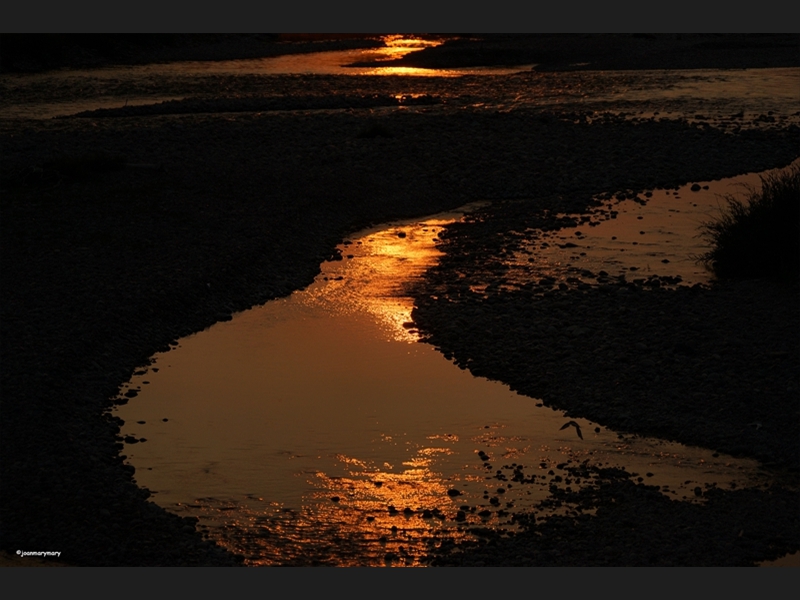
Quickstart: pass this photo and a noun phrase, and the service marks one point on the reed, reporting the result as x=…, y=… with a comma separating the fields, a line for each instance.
x=758, y=236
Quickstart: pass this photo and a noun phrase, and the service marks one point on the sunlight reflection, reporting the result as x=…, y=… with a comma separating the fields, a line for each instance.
x=377, y=269
x=649, y=238
x=369, y=517
x=410, y=72
x=299, y=435
x=400, y=45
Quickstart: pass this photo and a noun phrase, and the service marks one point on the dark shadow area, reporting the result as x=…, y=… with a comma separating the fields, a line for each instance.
x=191, y=106
x=707, y=367
x=29, y=53
x=617, y=522
x=608, y=51
x=760, y=236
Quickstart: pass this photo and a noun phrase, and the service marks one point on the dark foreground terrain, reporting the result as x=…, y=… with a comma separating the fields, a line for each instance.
x=712, y=367
x=121, y=235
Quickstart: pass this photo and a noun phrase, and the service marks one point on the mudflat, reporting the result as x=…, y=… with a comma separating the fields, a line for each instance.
x=122, y=234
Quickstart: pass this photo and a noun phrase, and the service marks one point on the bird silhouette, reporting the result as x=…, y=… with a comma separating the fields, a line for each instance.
x=573, y=424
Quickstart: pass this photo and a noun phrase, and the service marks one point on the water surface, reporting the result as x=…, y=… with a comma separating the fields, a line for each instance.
x=315, y=430
x=728, y=98
x=657, y=234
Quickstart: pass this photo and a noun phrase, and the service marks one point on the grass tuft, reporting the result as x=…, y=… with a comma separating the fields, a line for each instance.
x=758, y=237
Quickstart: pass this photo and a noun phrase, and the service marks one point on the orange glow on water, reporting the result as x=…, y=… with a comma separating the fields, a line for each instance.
x=368, y=516
x=654, y=236
x=400, y=45
x=382, y=263
x=301, y=432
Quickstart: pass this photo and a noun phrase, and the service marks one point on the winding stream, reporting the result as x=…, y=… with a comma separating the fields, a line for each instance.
x=315, y=429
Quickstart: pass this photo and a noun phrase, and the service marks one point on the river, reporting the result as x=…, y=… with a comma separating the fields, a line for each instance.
x=315, y=429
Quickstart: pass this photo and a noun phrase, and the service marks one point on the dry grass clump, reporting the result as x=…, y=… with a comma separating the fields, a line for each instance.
x=758, y=237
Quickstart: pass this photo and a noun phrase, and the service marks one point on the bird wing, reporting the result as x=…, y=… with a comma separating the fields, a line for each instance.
x=572, y=424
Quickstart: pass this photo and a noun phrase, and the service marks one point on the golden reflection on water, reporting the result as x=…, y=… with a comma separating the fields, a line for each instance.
x=383, y=263
x=398, y=46
x=377, y=515
x=655, y=235
x=370, y=516
x=301, y=433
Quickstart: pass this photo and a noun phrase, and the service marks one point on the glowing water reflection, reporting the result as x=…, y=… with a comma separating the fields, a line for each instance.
x=302, y=432
x=357, y=62
x=382, y=262
x=653, y=237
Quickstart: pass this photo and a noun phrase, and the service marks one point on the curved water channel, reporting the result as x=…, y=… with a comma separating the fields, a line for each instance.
x=315, y=429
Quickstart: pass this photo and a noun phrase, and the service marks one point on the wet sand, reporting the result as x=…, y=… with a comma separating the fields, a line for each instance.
x=105, y=263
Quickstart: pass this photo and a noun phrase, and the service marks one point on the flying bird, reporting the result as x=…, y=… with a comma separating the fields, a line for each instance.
x=573, y=424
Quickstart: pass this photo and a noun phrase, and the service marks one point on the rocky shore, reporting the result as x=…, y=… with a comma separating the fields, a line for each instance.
x=707, y=366
x=122, y=234
x=715, y=367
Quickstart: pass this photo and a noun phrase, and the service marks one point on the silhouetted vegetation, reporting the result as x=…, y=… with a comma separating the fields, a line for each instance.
x=760, y=236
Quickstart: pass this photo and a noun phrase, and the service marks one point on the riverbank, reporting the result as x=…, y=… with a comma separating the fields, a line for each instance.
x=706, y=366
x=121, y=235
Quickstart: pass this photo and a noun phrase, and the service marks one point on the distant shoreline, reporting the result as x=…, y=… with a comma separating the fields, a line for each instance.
x=35, y=53
x=39, y=53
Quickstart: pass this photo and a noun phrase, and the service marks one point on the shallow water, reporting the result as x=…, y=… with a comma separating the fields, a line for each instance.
x=315, y=430
x=730, y=99
x=657, y=234
x=71, y=91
